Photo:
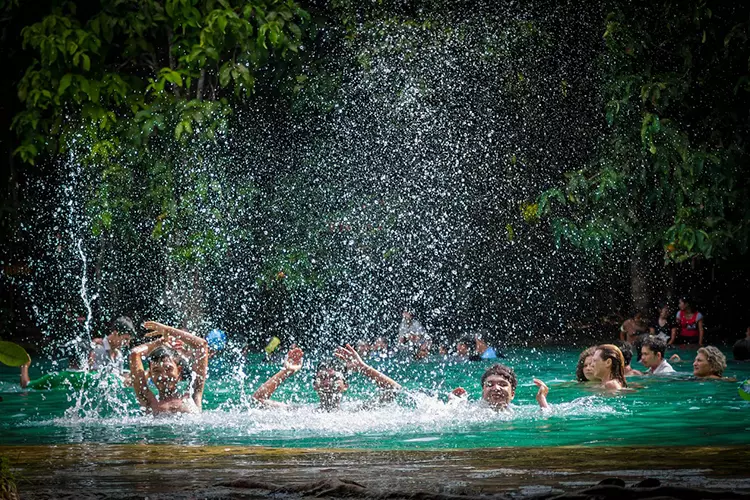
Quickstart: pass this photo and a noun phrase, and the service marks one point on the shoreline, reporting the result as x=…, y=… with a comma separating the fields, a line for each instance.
x=173, y=471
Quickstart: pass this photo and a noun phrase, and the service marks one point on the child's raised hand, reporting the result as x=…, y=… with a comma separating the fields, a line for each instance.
x=293, y=361
x=350, y=356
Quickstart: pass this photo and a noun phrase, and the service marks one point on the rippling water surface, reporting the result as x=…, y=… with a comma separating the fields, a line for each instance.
x=670, y=411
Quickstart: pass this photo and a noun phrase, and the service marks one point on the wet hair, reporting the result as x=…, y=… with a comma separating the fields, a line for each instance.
x=741, y=350
x=334, y=364
x=123, y=325
x=689, y=302
x=716, y=359
x=501, y=371
x=626, y=348
x=161, y=353
x=655, y=344
x=469, y=342
x=580, y=376
x=611, y=351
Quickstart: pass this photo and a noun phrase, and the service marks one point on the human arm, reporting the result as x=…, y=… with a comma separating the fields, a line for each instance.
x=355, y=363
x=700, y=332
x=541, y=395
x=673, y=337
x=194, y=347
x=143, y=394
x=25, y=373
x=292, y=364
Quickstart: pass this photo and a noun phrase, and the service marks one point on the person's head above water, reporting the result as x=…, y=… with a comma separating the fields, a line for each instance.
x=465, y=346
x=499, y=386
x=584, y=370
x=709, y=362
x=330, y=383
x=121, y=331
x=609, y=364
x=652, y=351
x=167, y=368
x=626, y=348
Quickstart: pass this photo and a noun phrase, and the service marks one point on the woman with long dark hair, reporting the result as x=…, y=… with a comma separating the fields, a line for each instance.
x=609, y=366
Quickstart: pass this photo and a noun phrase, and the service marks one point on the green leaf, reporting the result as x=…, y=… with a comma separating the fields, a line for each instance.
x=12, y=354
x=64, y=83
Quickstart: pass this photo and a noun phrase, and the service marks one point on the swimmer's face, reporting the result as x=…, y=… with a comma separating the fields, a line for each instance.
x=165, y=373
x=649, y=358
x=588, y=368
x=701, y=367
x=329, y=381
x=497, y=391
x=601, y=367
x=462, y=349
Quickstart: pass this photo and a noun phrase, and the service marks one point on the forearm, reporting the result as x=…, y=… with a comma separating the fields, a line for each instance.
x=380, y=379
x=25, y=376
x=542, y=400
x=187, y=337
x=266, y=390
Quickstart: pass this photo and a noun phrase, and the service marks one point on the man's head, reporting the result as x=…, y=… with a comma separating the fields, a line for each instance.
x=499, y=386
x=121, y=331
x=652, y=351
x=464, y=346
x=166, y=369
x=330, y=383
x=626, y=348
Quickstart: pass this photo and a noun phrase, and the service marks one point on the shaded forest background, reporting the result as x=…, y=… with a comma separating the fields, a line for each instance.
x=312, y=169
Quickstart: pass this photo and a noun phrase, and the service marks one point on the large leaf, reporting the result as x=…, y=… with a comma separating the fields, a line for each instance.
x=12, y=354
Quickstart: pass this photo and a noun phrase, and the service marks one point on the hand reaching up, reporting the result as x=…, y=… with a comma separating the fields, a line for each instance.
x=293, y=361
x=541, y=395
x=351, y=357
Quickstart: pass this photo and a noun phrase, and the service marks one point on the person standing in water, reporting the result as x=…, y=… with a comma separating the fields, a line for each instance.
x=176, y=355
x=330, y=381
x=689, y=325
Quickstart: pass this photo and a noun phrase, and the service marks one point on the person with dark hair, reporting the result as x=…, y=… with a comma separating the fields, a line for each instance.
x=652, y=356
x=330, y=381
x=484, y=350
x=175, y=356
x=741, y=348
x=499, y=384
x=584, y=369
x=627, y=353
x=465, y=348
x=633, y=328
x=663, y=326
x=107, y=352
x=689, y=328
x=609, y=366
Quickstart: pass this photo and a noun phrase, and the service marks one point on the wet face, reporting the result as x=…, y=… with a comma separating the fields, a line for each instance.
x=701, y=367
x=462, y=349
x=497, y=391
x=649, y=358
x=329, y=382
x=588, y=368
x=165, y=373
x=601, y=367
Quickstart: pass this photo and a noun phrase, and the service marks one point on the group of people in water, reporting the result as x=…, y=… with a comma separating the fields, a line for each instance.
x=175, y=355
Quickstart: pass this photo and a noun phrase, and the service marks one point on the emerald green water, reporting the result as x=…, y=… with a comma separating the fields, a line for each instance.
x=672, y=411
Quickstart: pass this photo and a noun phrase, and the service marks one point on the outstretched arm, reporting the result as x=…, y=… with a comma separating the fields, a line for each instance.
x=25, y=373
x=541, y=395
x=700, y=333
x=355, y=363
x=145, y=397
x=292, y=364
x=195, y=347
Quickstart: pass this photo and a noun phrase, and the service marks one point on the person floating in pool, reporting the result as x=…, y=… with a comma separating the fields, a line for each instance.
x=608, y=365
x=585, y=367
x=330, y=381
x=709, y=363
x=499, y=384
x=652, y=356
x=177, y=355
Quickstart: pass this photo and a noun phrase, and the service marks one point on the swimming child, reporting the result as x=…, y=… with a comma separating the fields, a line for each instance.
x=177, y=355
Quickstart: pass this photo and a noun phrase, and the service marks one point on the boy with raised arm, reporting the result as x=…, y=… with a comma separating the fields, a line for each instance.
x=176, y=355
x=330, y=380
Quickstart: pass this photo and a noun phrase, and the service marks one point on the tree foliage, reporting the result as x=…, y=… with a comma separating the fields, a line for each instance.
x=668, y=173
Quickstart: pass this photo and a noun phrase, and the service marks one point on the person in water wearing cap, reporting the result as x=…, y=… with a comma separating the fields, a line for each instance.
x=174, y=356
x=499, y=384
x=330, y=381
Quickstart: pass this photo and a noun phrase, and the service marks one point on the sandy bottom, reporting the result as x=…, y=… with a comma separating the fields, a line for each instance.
x=166, y=471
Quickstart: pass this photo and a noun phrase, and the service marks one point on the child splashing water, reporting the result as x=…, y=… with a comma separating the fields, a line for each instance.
x=176, y=355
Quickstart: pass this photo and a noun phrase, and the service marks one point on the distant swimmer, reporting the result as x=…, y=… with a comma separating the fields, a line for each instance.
x=177, y=355
x=330, y=381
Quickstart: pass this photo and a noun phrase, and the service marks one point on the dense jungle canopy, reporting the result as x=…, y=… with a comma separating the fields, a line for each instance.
x=311, y=169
